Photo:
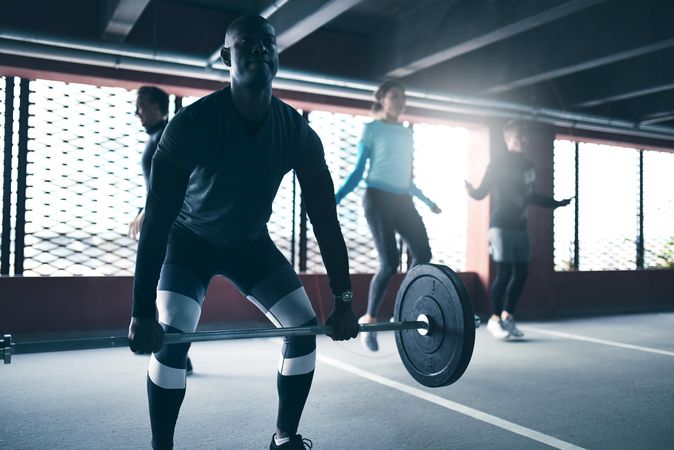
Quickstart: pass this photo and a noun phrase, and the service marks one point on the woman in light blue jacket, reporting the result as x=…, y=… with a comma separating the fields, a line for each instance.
x=388, y=146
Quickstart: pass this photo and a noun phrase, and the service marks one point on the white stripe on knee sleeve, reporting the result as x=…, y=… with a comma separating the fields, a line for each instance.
x=164, y=376
x=178, y=311
x=292, y=310
x=297, y=366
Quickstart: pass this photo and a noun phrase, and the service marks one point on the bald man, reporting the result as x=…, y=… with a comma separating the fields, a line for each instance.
x=214, y=176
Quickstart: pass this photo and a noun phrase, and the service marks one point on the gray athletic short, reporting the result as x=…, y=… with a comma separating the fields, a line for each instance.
x=510, y=246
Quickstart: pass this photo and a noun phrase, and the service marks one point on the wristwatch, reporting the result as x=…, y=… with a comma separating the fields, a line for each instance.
x=345, y=297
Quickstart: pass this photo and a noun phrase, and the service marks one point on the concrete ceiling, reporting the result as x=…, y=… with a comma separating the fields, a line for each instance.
x=613, y=58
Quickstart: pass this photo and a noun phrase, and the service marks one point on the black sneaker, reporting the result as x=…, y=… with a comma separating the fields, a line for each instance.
x=296, y=443
x=188, y=367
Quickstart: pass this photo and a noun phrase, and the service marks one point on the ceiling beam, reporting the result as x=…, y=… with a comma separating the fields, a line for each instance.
x=644, y=75
x=651, y=119
x=297, y=19
x=572, y=67
x=633, y=93
x=119, y=58
x=272, y=7
x=436, y=33
x=119, y=17
x=616, y=33
x=637, y=109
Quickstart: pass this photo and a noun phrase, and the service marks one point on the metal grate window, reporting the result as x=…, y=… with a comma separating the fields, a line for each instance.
x=607, y=206
x=84, y=184
x=658, y=210
x=340, y=134
x=282, y=223
x=605, y=231
x=564, y=180
x=3, y=83
x=10, y=99
x=440, y=168
x=3, y=94
x=186, y=101
x=84, y=181
x=440, y=160
x=3, y=191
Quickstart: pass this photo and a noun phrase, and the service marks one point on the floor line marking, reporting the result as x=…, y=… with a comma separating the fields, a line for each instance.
x=448, y=404
x=578, y=337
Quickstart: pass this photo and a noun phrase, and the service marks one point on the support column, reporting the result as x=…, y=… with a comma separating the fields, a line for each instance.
x=477, y=244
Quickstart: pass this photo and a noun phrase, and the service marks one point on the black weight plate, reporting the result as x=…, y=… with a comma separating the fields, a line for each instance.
x=442, y=356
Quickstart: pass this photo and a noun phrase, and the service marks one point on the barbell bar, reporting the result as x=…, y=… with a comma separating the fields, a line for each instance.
x=433, y=321
x=10, y=348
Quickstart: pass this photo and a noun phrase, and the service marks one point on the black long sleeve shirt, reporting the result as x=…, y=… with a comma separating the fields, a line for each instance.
x=510, y=180
x=216, y=177
x=154, y=135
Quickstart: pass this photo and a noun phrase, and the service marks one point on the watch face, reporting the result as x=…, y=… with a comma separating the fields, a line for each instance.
x=347, y=296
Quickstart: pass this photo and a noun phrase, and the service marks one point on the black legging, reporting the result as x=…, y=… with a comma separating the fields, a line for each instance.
x=386, y=214
x=508, y=286
x=266, y=278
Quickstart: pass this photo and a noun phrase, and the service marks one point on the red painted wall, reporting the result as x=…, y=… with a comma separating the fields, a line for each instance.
x=58, y=304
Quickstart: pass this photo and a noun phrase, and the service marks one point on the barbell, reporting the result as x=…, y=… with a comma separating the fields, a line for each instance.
x=433, y=320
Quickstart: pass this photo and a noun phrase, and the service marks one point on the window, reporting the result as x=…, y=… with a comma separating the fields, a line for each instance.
x=604, y=231
x=658, y=210
x=440, y=166
x=564, y=180
x=84, y=184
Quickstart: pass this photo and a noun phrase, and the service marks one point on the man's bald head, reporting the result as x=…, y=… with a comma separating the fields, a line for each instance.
x=250, y=51
x=249, y=23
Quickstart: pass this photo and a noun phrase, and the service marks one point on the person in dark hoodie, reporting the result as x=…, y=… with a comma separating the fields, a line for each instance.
x=509, y=179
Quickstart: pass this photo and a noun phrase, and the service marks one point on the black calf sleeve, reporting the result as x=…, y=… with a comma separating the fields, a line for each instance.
x=293, y=391
x=164, y=407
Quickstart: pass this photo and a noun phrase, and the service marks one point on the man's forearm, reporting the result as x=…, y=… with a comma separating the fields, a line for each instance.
x=164, y=200
x=319, y=197
x=151, y=252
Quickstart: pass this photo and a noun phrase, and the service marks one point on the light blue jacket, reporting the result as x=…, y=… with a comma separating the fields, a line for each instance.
x=389, y=149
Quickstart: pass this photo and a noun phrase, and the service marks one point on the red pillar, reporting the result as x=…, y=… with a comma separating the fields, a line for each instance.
x=477, y=245
x=538, y=296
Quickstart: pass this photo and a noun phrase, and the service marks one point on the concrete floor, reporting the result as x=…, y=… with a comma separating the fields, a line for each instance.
x=598, y=383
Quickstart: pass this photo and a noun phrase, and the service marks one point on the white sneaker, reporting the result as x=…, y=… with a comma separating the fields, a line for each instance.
x=368, y=339
x=509, y=324
x=496, y=328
